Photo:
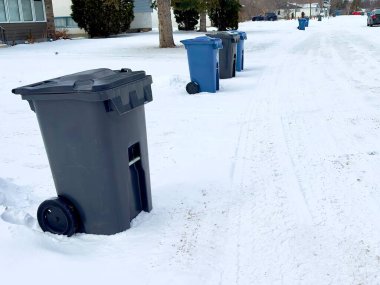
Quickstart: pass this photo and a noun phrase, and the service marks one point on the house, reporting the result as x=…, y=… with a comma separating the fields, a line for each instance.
x=311, y=10
x=26, y=20
x=288, y=11
x=63, y=20
x=294, y=10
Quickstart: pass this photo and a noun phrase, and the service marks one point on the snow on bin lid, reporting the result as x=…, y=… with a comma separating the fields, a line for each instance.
x=216, y=43
x=243, y=35
x=234, y=36
x=79, y=85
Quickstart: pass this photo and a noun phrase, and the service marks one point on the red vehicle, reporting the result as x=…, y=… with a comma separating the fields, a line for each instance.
x=359, y=13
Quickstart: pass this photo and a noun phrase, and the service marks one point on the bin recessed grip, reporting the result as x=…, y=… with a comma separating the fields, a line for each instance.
x=132, y=101
x=117, y=104
x=31, y=105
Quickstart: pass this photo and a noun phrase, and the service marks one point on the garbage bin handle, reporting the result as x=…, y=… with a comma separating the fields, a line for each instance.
x=132, y=100
x=117, y=104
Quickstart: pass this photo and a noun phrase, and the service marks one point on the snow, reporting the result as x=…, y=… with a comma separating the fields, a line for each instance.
x=272, y=180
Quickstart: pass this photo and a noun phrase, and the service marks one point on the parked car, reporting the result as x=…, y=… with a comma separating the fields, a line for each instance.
x=358, y=13
x=373, y=18
x=258, y=18
x=270, y=16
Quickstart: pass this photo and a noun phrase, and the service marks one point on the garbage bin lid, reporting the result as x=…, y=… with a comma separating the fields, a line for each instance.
x=216, y=43
x=235, y=37
x=82, y=83
x=243, y=35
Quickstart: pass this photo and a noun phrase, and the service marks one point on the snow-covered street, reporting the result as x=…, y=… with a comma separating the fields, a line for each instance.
x=272, y=180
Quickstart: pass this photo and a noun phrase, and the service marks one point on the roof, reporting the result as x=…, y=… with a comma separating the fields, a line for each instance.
x=313, y=5
x=301, y=5
x=289, y=6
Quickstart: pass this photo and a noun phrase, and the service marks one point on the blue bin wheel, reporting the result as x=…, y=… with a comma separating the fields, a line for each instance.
x=58, y=216
x=192, y=88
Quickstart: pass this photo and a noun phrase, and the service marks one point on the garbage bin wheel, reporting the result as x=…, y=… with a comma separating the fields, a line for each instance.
x=192, y=88
x=58, y=216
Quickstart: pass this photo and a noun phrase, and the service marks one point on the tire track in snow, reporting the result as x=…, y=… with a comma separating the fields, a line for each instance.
x=264, y=198
x=306, y=239
x=341, y=241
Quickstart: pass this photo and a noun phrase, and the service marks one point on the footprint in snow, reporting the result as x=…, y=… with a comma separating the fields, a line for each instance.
x=18, y=217
x=178, y=82
x=14, y=199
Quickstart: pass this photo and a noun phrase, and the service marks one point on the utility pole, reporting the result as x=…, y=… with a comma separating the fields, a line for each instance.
x=310, y=11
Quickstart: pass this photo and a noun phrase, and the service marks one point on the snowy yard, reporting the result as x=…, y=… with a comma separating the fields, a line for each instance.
x=272, y=180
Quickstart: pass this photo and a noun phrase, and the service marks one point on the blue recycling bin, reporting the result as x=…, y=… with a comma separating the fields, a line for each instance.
x=240, y=51
x=203, y=58
x=301, y=24
x=307, y=22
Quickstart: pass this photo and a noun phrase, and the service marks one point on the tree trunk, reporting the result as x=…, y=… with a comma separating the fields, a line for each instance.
x=165, y=28
x=202, y=22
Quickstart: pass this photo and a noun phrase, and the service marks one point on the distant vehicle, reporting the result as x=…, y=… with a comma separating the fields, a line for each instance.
x=258, y=18
x=358, y=13
x=373, y=18
x=270, y=16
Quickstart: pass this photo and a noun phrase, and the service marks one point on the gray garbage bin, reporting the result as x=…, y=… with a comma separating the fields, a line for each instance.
x=227, y=55
x=93, y=127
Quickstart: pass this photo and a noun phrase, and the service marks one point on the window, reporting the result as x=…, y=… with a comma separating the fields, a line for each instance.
x=14, y=11
x=60, y=22
x=27, y=10
x=3, y=16
x=65, y=22
x=22, y=11
x=71, y=23
x=39, y=10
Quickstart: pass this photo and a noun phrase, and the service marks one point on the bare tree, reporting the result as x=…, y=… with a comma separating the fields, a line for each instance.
x=249, y=9
x=203, y=6
x=355, y=6
x=165, y=28
x=343, y=5
x=370, y=4
x=255, y=7
x=202, y=21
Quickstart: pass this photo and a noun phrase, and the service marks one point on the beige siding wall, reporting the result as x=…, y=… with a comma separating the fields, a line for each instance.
x=62, y=8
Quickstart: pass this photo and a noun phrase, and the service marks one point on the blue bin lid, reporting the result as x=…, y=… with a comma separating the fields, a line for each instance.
x=216, y=43
x=243, y=35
